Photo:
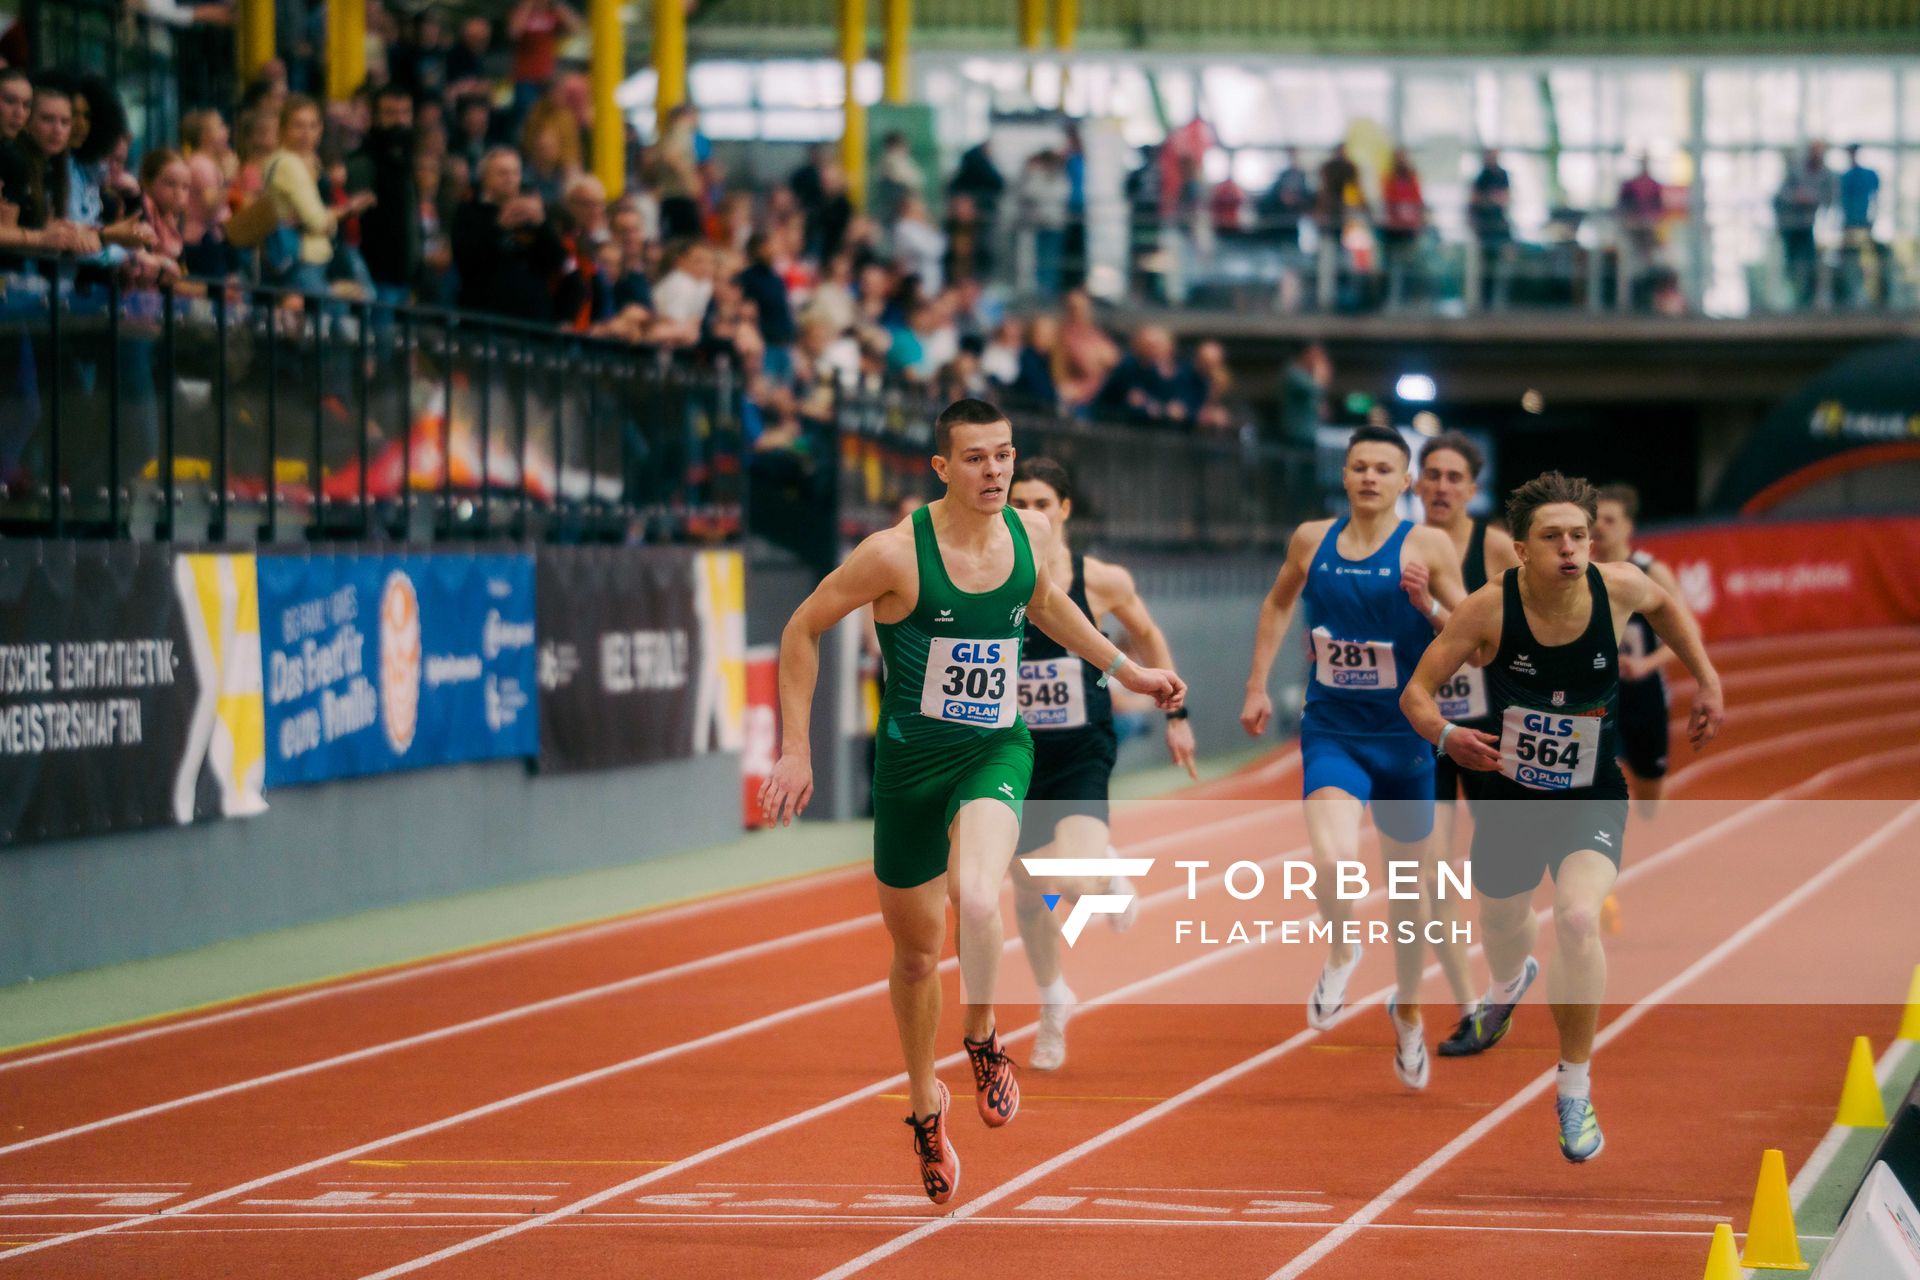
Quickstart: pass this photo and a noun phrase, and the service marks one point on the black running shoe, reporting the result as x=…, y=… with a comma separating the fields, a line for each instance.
x=1488, y=1024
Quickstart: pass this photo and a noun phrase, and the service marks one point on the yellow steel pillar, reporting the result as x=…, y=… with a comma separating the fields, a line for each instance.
x=853, y=139
x=608, y=66
x=899, y=21
x=1033, y=23
x=1066, y=23
x=255, y=44
x=346, y=48
x=669, y=56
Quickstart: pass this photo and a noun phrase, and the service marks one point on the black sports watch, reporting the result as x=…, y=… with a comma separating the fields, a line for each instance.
x=1181, y=714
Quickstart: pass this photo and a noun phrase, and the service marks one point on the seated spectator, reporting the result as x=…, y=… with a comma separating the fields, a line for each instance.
x=550, y=146
x=211, y=165
x=824, y=351
x=1149, y=385
x=960, y=378
x=1040, y=355
x=969, y=251
x=682, y=296
x=919, y=247
x=1000, y=357
x=505, y=247
x=731, y=328
x=1087, y=354
x=629, y=286
x=1217, y=410
x=768, y=293
x=536, y=28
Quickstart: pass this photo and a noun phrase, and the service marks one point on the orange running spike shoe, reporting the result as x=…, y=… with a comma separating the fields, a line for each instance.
x=996, y=1089
x=939, y=1162
x=1610, y=915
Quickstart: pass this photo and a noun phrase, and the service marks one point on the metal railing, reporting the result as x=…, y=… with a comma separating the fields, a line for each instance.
x=234, y=414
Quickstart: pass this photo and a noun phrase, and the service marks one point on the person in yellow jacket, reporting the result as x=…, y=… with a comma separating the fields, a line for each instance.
x=292, y=183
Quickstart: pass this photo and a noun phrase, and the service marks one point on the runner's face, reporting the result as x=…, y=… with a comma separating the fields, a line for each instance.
x=1558, y=544
x=980, y=469
x=1445, y=486
x=1612, y=532
x=1375, y=476
x=1038, y=495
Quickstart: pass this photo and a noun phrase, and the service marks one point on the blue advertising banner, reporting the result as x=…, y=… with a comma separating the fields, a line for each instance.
x=381, y=662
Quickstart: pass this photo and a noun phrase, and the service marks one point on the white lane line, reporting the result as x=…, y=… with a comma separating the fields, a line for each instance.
x=726, y=1035
x=1619, y=1026
x=406, y=971
x=618, y=987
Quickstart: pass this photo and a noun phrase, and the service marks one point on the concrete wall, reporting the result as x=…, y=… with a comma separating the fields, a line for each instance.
x=346, y=846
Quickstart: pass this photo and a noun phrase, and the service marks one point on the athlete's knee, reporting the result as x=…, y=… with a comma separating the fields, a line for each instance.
x=978, y=908
x=1578, y=924
x=914, y=962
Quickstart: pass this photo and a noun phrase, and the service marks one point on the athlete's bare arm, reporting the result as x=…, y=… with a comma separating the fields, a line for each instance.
x=1276, y=614
x=1111, y=589
x=881, y=566
x=1634, y=592
x=1060, y=618
x=1469, y=636
x=1431, y=574
x=1499, y=553
x=1640, y=668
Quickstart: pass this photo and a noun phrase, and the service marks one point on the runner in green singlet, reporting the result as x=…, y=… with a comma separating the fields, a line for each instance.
x=952, y=588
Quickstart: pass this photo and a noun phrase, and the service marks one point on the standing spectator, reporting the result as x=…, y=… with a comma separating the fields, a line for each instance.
x=550, y=150
x=676, y=174
x=827, y=226
x=16, y=104
x=536, y=28
x=1405, y=208
x=1036, y=380
x=418, y=63
x=1149, y=384
x=470, y=63
x=1487, y=204
x=1087, y=354
x=432, y=284
x=805, y=184
x=1183, y=168
x=1808, y=188
x=978, y=178
x=1073, y=163
x=1042, y=198
x=165, y=194
x=897, y=176
x=969, y=257
x=682, y=296
x=293, y=184
x=1217, y=410
x=1286, y=204
x=504, y=247
x=763, y=286
x=1000, y=357
x=1227, y=206
x=259, y=139
x=383, y=167
x=630, y=285
x=580, y=298
x=833, y=298
x=57, y=192
x=1303, y=395
x=1339, y=191
x=1638, y=209
x=472, y=132
x=919, y=247
x=1859, y=204
x=211, y=165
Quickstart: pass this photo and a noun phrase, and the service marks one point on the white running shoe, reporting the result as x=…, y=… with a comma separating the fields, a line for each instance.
x=1330, y=992
x=1411, y=1064
x=1050, y=1045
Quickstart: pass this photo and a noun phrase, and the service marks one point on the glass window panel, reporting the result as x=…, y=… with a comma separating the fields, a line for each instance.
x=1438, y=108
x=1520, y=118
x=868, y=83
x=799, y=126
x=1239, y=108
x=1365, y=94
x=730, y=125
x=1776, y=105
x=793, y=83
x=1575, y=104
x=1307, y=107
x=1255, y=169
x=1176, y=95
x=1730, y=108
x=1851, y=106
x=1580, y=179
x=1911, y=107
x=1653, y=109
x=721, y=84
x=1528, y=176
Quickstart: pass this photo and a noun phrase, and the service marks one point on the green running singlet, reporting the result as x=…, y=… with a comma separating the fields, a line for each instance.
x=950, y=729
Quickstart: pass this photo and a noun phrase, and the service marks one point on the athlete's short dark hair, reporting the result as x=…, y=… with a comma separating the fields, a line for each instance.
x=1544, y=490
x=1459, y=444
x=1626, y=495
x=1370, y=434
x=1045, y=471
x=962, y=413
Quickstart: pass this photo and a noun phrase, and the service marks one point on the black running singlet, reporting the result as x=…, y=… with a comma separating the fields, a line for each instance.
x=1553, y=707
x=1474, y=567
x=1058, y=691
x=1639, y=641
x=1463, y=698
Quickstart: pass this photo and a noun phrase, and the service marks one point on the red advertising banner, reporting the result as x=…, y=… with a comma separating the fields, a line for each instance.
x=1779, y=578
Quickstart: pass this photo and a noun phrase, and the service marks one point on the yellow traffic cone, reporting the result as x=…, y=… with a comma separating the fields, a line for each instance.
x=1772, y=1242
x=1910, y=1020
x=1723, y=1261
x=1860, y=1103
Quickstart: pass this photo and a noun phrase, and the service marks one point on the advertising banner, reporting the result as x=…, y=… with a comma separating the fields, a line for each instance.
x=1765, y=578
x=382, y=662
x=129, y=688
x=641, y=655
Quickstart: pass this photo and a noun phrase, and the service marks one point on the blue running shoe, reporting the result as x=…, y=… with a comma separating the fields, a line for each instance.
x=1580, y=1137
x=1487, y=1025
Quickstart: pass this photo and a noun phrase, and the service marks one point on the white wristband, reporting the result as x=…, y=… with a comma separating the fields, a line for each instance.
x=1433, y=610
x=1119, y=661
x=1440, y=743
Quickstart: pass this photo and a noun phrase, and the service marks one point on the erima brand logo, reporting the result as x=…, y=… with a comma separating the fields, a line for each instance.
x=1008, y=789
x=945, y=615
x=1603, y=838
x=1523, y=664
x=1093, y=904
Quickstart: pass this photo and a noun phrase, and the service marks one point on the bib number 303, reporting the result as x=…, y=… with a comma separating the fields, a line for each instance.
x=971, y=681
x=1547, y=751
x=1353, y=664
